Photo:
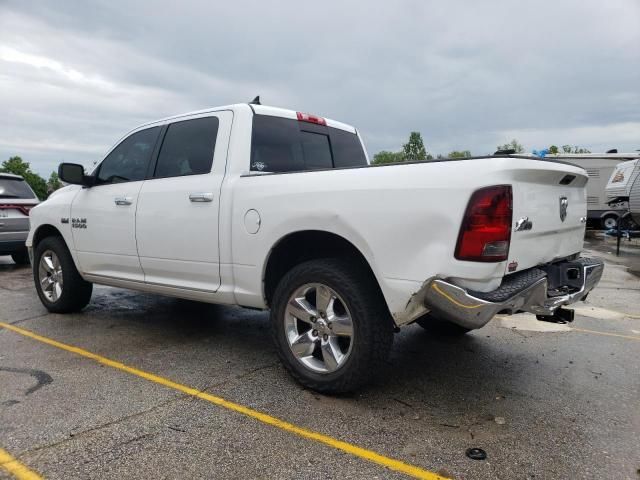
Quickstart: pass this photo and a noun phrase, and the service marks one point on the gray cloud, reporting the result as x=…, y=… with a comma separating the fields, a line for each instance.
x=75, y=76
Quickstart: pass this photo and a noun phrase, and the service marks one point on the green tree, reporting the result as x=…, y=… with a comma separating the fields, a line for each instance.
x=17, y=166
x=553, y=149
x=459, y=154
x=414, y=149
x=512, y=145
x=53, y=183
x=575, y=149
x=387, y=157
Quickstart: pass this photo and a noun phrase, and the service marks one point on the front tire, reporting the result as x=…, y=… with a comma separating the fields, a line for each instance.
x=440, y=327
x=331, y=326
x=59, y=285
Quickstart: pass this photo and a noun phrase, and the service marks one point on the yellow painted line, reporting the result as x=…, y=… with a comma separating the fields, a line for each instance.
x=453, y=300
x=15, y=468
x=349, y=448
x=596, y=332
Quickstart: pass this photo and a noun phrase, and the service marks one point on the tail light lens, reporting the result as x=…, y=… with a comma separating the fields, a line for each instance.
x=486, y=228
x=27, y=209
x=22, y=208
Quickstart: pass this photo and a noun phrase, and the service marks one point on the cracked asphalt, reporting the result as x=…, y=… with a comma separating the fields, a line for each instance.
x=544, y=401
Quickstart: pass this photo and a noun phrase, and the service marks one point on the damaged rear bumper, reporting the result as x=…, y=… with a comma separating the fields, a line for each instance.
x=538, y=290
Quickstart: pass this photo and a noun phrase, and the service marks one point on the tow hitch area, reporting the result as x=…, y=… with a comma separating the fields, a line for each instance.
x=561, y=315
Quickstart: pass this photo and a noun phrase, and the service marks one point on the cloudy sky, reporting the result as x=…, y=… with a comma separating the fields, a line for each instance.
x=75, y=76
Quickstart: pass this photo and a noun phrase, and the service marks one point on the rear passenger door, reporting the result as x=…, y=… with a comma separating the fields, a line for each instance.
x=178, y=209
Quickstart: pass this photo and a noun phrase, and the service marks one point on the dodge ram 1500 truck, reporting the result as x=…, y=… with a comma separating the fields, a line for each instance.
x=274, y=209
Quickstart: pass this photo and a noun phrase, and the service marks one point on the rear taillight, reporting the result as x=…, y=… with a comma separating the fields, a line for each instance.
x=24, y=209
x=486, y=227
x=306, y=117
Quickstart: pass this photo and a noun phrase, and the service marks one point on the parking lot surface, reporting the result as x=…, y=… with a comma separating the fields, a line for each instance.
x=543, y=400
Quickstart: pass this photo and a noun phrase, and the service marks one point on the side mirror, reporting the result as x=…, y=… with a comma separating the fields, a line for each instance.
x=74, y=174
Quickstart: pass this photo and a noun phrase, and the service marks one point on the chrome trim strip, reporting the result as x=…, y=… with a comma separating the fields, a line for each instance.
x=142, y=283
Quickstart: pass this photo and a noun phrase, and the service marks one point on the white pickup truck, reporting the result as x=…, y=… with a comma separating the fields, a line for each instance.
x=275, y=209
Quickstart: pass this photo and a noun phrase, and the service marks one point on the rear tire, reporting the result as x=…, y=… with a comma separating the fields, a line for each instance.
x=353, y=321
x=59, y=285
x=440, y=327
x=21, y=258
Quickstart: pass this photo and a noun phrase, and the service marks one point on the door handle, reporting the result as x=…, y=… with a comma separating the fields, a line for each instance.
x=201, y=197
x=123, y=201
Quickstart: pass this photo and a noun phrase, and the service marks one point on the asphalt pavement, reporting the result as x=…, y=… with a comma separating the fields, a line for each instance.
x=542, y=400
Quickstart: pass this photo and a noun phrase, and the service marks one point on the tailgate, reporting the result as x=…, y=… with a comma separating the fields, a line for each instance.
x=552, y=197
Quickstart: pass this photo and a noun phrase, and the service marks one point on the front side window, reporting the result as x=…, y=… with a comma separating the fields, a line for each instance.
x=187, y=148
x=129, y=161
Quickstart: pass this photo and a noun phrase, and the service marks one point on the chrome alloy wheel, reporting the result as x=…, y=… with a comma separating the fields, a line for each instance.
x=50, y=276
x=319, y=328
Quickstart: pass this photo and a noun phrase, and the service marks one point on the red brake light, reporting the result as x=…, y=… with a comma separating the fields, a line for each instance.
x=486, y=227
x=24, y=209
x=306, y=117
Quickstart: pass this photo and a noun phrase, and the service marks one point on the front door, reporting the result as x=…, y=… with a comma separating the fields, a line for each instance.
x=178, y=208
x=103, y=216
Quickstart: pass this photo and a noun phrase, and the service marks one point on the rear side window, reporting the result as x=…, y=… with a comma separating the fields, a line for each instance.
x=15, y=188
x=187, y=148
x=129, y=161
x=287, y=145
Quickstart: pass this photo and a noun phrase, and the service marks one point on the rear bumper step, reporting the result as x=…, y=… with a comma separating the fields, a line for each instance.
x=538, y=290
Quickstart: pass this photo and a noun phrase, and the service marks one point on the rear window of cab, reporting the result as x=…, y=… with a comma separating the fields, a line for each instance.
x=286, y=145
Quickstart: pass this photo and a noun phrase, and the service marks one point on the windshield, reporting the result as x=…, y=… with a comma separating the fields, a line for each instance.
x=15, y=188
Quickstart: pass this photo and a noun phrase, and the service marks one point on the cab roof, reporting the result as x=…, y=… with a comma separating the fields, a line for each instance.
x=293, y=115
x=258, y=110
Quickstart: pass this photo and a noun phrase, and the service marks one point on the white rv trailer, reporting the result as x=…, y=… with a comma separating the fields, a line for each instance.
x=599, y=167
x=624, y=186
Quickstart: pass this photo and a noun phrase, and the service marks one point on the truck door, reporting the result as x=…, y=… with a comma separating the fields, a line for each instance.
x=178, y=208
x=103, y=216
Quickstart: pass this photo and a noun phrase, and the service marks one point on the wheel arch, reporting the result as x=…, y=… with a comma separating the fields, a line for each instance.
x=610, y=213
x=43, y=231
x=303, y=245
x=47, y=230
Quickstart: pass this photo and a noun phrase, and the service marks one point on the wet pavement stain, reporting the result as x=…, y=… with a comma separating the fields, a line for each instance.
x=42, y=378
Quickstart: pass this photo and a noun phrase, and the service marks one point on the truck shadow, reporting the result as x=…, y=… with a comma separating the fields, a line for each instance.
x=436, y=374
x=418, y=359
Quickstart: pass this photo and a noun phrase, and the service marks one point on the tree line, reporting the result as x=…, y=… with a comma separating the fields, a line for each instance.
x=41, y=187
x=415, y=151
